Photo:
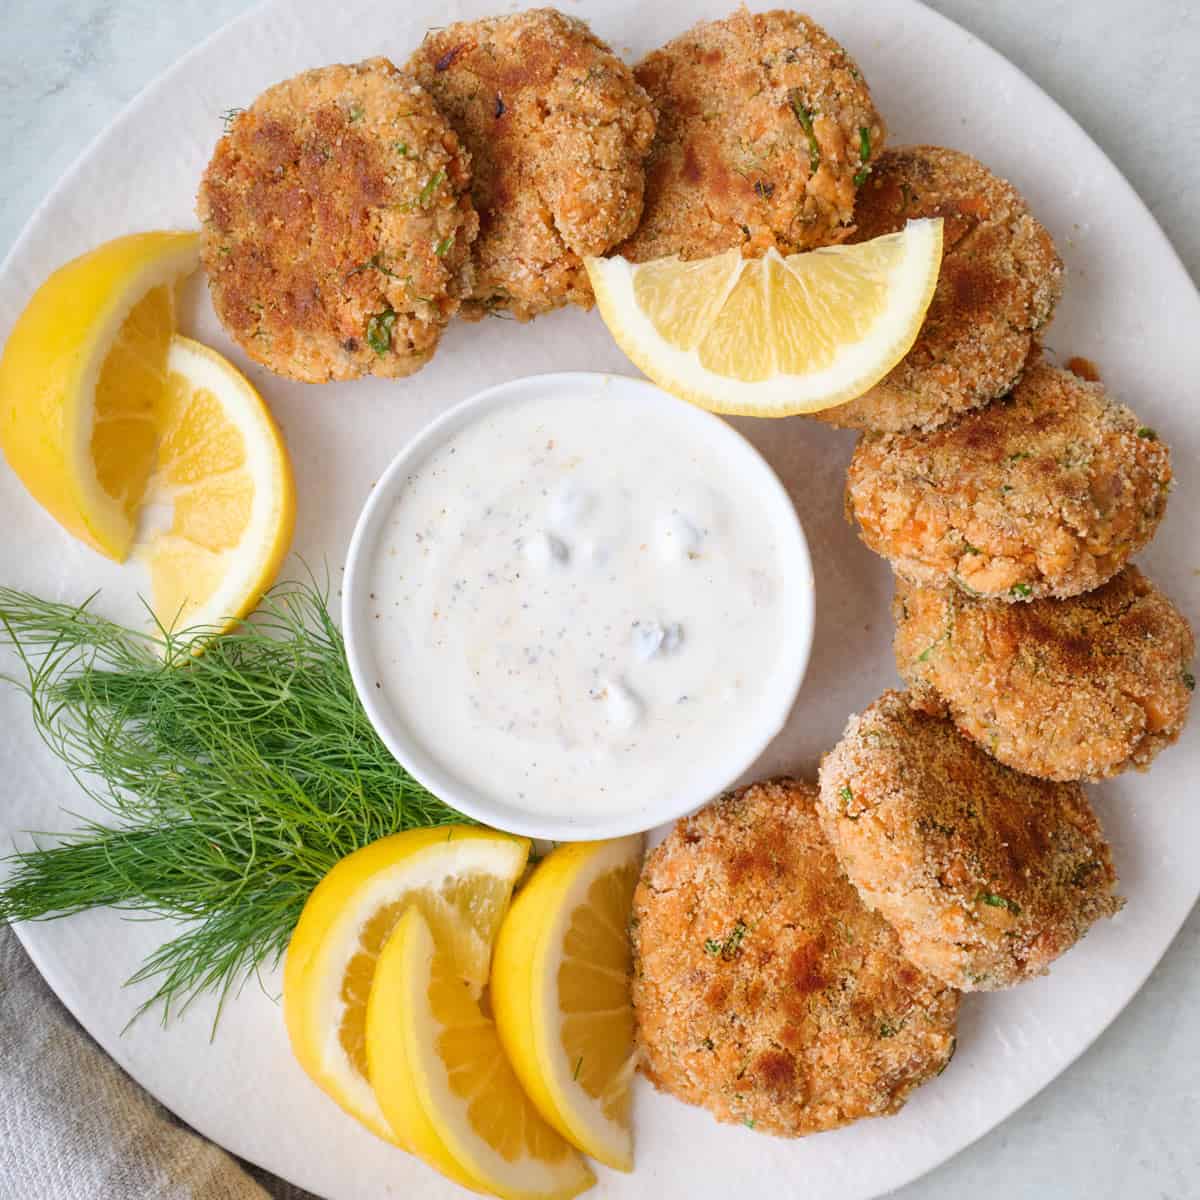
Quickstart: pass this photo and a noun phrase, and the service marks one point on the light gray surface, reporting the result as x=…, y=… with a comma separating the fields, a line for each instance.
x=1122, y=1122
x=74, y=1126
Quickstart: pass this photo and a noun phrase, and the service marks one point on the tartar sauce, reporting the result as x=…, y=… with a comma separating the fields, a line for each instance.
x=578, y=605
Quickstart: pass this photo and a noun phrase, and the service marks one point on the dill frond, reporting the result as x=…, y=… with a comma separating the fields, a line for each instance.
x=235, y=778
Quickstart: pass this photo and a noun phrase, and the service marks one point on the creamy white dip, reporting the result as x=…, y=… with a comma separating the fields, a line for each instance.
x=579, y=604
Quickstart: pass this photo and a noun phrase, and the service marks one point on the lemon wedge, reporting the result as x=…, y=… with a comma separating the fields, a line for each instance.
x=80, y=377
x=223, y=469
x=443, y=1080
x=560, y=990
x=460, y=877
x=773, y=336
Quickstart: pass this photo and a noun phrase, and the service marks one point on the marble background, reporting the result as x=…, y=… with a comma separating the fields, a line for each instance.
x=1122, y=1123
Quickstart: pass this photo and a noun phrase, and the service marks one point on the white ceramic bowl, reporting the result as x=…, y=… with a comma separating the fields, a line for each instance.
x=746, y=470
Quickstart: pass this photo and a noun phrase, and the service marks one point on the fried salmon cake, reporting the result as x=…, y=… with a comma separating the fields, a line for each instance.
x=337, y=224
x=986, y=875
x=1047, y=492
x=766, y=132
x=558, y=131
x=1063, y=689
x=1000, y=280
x=763, y=989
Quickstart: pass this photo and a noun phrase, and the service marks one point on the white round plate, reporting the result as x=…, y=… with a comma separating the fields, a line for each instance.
x=1129, y=307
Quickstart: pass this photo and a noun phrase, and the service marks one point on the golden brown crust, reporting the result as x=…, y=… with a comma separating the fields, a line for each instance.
x=763, y=989
x=763, y=121
x=1000, y=280
x=1064, y=689
x=337, y=224
x=987, y=875
x=558, y=130
x=1047, y=492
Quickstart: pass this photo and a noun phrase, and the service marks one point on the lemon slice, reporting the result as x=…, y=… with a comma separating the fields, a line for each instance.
x=560, y=989
x=460, y=877
x=442, y=1077
x=223, y=469
x=773, y=336
x=79, y=380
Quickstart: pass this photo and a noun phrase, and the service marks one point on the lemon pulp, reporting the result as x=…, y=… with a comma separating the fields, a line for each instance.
x=773, y=336
x=459, y=877
x=561, y=990
x=79, y=378
x=222, y=466
x=442, y=1077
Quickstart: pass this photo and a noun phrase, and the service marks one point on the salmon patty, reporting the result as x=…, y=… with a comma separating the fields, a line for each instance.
x=558, y=131
x=763, y=989
x=337, y=225
x=1063, y=689
x=1047, y=492
x=1000, y=280
x=766, y=132
x=986, y=875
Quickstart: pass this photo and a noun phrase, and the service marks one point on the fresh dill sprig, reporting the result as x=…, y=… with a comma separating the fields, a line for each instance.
x=236, y=778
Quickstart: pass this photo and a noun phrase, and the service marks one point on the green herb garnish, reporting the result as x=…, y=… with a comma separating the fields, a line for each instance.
x=1151, y=435
x=924, y=655
x=728, y=947
x=374, y=263
x=379, y=330
x=1021, y=589
x=432, y=184
x=864, y=153
x=846, y=793
x=229, y=116
x=443, y=247
x=232, y=780
x=356, y=113
x=953, y=1050
x=994, y=901
x=886, y=1030
x=749, y=1122
x=401, y=148
x=805, y=117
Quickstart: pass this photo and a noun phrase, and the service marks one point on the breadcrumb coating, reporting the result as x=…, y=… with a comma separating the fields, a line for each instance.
x=1000, y=280
x=337, y=225
x=987, y=875
x=1047, y=492
x=766, y=131
x=1063, y=689
x=558, y=131
x=764, y=990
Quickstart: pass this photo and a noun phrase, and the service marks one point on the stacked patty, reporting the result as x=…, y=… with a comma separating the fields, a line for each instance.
x=1047, y=492
x=1000, y=280
x=337, y=225
x=987, y=875
x=1083, y=688
x=766, y=129
x=558, y=130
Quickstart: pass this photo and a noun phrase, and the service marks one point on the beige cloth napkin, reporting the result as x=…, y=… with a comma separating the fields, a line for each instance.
x=74, y=1126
